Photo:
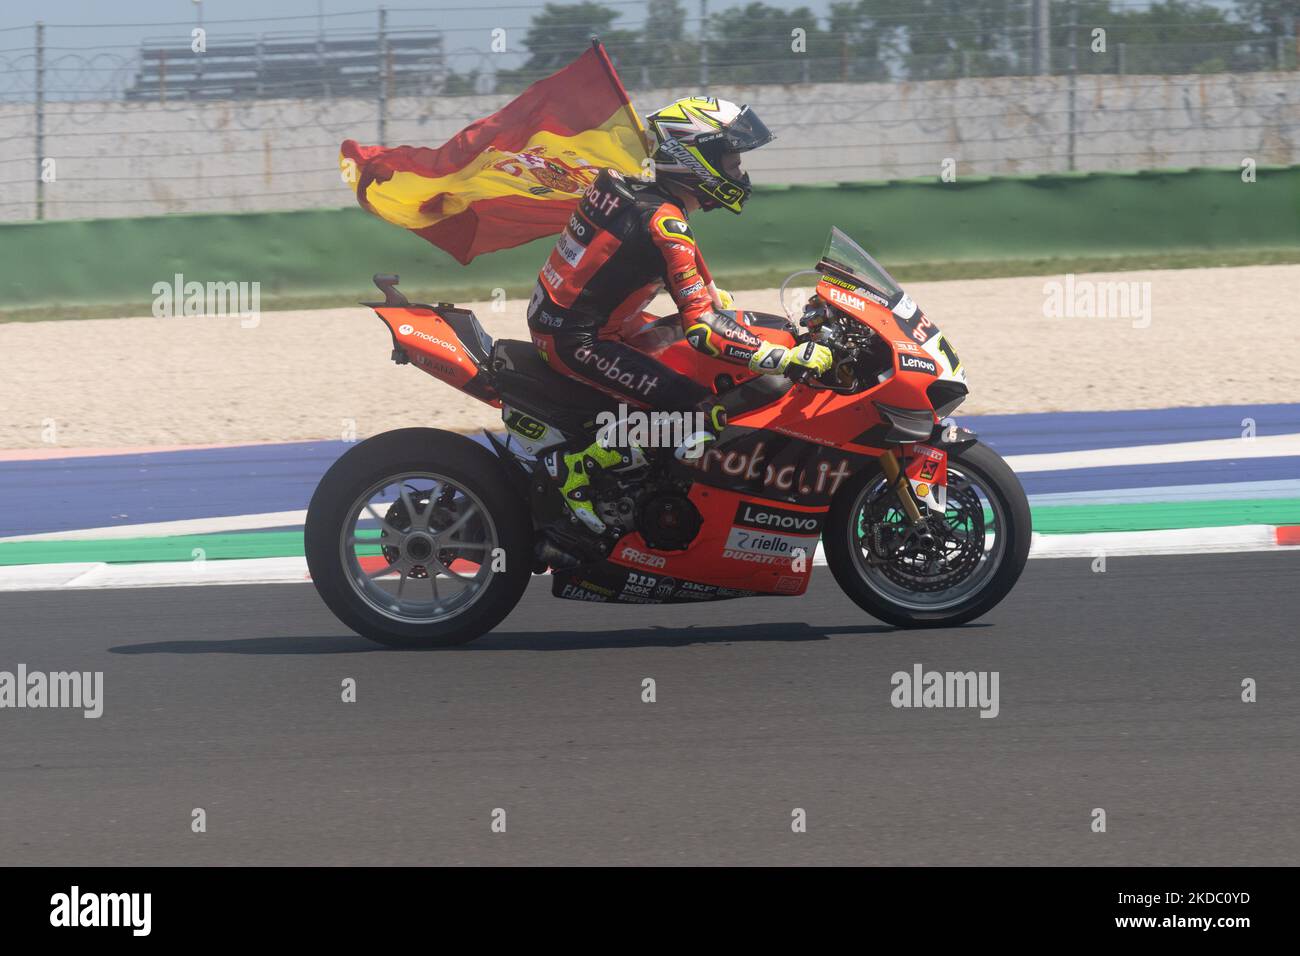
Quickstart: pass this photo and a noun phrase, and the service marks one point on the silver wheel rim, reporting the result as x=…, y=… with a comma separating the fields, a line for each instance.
x=995, y=535
x=419, y=548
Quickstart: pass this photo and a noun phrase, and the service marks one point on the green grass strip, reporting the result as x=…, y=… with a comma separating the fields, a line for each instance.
x=1069, y=519
x=735, y=280
x=1160, y=515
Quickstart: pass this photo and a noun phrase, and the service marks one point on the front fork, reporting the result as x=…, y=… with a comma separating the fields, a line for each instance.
x=901, y=487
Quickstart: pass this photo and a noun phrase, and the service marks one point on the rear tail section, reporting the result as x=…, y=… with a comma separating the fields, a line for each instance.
x=447, y=342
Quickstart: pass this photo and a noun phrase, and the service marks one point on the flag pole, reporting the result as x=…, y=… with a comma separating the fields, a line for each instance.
x=618, y=83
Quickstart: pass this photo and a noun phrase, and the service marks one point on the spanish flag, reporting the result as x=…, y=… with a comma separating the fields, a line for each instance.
x=512, y=177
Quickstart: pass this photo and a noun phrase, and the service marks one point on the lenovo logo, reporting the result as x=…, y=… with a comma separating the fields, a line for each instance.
x=753, y=515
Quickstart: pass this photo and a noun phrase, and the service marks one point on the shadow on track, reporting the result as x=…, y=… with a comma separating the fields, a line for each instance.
x=524, y=640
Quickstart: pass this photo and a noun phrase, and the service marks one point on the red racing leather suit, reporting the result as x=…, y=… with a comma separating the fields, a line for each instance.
x=624, y=244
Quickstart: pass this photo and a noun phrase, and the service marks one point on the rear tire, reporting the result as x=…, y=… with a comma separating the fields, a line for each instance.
x=424, y=451
x=1000, y=483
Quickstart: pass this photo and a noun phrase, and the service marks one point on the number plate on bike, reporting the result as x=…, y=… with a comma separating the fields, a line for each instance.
x=927, y=470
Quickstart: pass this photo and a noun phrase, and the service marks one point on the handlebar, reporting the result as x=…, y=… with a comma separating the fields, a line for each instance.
x=798, y=374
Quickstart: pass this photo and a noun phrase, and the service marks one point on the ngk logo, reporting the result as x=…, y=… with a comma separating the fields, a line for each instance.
x=841, y=297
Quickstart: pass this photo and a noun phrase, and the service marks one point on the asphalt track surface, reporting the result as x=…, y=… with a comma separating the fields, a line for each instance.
x=1119, y=690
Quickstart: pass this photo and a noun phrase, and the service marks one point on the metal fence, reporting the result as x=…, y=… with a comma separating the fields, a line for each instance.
x=241, y=115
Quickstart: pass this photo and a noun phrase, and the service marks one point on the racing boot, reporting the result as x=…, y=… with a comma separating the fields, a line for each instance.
x=573, y=471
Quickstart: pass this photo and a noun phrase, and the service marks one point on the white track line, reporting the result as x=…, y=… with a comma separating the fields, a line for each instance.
x=44, y=577
x=169, y=529
x=1219, y=449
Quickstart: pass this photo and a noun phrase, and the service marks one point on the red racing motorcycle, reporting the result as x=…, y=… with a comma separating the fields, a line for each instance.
x=422, y=537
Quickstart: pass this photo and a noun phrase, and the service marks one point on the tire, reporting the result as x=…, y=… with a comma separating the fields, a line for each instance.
x=424, y=451
x=998, y=480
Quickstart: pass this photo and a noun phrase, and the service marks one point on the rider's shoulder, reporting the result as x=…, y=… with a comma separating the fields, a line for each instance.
x=667, y=222
x=608, y=197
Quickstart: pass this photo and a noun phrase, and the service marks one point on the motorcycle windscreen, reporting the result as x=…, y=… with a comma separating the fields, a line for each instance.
x=845, y=256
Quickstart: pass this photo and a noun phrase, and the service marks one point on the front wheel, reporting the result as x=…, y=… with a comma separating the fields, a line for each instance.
x=950, y=569
x=415, y=538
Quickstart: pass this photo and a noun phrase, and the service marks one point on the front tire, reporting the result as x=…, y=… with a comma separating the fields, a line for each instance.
x=897, y=590
x=404, y=512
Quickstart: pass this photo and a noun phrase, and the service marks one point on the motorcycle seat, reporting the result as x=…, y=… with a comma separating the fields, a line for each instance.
x=526, y=381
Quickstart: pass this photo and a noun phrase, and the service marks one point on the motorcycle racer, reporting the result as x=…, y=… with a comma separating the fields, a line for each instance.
x=628, y=241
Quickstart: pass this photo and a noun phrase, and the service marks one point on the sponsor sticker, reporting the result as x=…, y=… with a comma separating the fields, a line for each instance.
x=640, y=557
x=917, y=363
x=928, y=472
x=750, y=514
x=754, y=557
x=570, y=249
x=576, y=593
x=840, y=297
x=746, y=540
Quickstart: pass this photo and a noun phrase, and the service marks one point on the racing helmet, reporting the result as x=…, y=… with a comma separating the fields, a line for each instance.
x=697, y=141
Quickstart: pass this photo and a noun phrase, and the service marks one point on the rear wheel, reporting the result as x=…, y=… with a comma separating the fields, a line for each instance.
x=950, y=569
x=414, y=538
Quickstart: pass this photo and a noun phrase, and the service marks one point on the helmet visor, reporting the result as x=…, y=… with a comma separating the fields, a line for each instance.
x=746, y=132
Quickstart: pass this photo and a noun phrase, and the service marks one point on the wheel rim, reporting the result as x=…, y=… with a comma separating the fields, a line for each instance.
x=419, y=548
x=951, y=560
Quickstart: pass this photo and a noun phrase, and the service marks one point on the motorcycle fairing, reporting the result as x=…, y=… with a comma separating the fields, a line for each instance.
x=430, y=342
x=747, y=546
x=919, y=346
x=611, y=584
x=782, y=467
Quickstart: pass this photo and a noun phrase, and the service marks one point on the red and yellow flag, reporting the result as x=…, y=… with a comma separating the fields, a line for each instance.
x=512, y=177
